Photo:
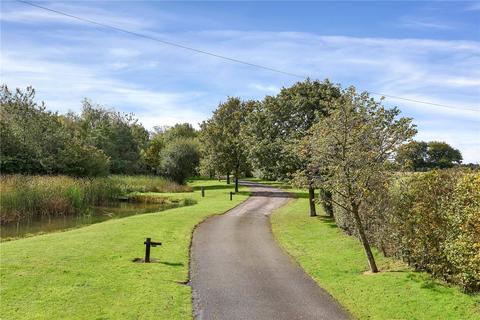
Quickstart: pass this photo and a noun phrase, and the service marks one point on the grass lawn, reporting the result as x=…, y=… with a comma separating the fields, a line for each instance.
x=88, y=273
x=337, y=262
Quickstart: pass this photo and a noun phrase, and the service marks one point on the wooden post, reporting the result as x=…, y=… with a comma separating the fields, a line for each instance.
x=203, y=191
x=147, y=249
x=149, y=243
x=231, y=195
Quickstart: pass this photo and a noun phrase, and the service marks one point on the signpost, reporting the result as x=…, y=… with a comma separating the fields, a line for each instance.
x=149, y=243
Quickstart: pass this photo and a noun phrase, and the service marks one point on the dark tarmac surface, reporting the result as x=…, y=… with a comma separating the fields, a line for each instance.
x=238, y=271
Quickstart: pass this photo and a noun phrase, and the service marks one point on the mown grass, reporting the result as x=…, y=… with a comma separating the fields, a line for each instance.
x=88, y=273
x=337, y=263
x=23, y=196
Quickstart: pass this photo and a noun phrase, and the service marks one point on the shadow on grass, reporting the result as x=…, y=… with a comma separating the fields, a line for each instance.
x=328, y=221
x=215, y=187
x=172, y=264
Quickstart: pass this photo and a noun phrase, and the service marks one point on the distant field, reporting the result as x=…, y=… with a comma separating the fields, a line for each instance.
x=88, y=273
x=337, y=263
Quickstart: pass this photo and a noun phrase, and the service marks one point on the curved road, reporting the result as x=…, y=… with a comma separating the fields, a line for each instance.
x=239, y=272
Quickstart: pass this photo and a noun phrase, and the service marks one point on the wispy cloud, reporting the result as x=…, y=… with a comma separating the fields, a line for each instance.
x=164, y=85
x=424, y=23
x=26, y=14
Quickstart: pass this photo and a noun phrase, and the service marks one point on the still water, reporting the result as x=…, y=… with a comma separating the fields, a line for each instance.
x=47, y=224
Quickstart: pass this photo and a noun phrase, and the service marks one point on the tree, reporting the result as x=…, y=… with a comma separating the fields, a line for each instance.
x=117, y=134
x=32, y=137
x=160, y=138
x=412, y=156
x=420, y=155
x=276, y=126
x=222, y=145
x=352, y=146
x=179, y=159
x=442, y=155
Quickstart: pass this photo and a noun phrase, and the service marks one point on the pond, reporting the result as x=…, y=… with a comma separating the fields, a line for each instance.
x=45, y=224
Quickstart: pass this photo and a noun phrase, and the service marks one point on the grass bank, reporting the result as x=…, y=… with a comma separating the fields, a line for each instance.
x=337, y=263
x=23, y=196
x=88, y=273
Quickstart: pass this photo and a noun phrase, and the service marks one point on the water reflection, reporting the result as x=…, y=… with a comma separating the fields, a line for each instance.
x=47, y=224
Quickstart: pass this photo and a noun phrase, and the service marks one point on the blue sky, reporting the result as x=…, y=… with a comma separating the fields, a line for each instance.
x=421, y=50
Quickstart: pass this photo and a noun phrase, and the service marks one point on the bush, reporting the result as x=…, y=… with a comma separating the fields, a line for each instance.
x=179, y=160
x=430, y=220
x=462, y=247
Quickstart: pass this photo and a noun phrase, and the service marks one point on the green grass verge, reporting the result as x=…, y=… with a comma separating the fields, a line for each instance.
x=88, y=273
x=336, y=262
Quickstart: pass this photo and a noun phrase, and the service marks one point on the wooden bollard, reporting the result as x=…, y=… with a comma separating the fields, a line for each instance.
x=231, y=195
x=203, y=191
x=149, y=243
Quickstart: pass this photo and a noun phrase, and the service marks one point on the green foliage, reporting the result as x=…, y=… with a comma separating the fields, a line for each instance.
x=430, y=220
x=462, y=247
x=161, y=138
x=442, y=155
x=179, y=159
x=277, y=124
x=83, y=160
x=420, y=155
x=223, y=148
x=118, y=135
x=435, y=224
x=28, y=196
x=38, y=141
x=32, y=137
x=412, y=156
x=337, y=263
x=349, y=151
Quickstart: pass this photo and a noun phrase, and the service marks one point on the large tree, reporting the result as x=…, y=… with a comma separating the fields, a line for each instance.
x=442, y=155
x=276, y=126
x=160, y=138
x=352, y=146
x=179, y=159
x=222, y=145
x=421, y=155
x=118, y=135
x=37, y=141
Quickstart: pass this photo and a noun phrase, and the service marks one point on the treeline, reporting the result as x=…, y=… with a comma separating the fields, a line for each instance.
x=96, y=142
x=352, y=149
x=338, y=143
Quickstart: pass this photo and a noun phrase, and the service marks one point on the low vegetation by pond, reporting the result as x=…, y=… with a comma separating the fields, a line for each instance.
x=88, y=273
x=28, y=197
x=336, y=262
x=44, y=224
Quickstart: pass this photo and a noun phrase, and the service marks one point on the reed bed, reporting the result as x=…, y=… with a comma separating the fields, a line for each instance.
x=23, y=196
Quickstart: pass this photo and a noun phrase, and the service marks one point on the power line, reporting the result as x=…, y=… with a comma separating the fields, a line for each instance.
x=178, y=45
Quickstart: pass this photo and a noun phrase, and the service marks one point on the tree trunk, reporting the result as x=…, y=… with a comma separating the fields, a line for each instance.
x=228, y=178
x=326, y=198
x=363, y=238
x=311, y=200
x=237, y=173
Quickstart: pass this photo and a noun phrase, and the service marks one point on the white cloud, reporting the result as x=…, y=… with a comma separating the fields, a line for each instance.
x=265, y=88
x=163, y=85
x=23, y=13
x=424, y=23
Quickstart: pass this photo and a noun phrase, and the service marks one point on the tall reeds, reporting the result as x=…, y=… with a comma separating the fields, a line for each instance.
x=23, y=196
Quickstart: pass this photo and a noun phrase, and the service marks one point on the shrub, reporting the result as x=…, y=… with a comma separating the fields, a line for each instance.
x=179, y=160
x=431, y=220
